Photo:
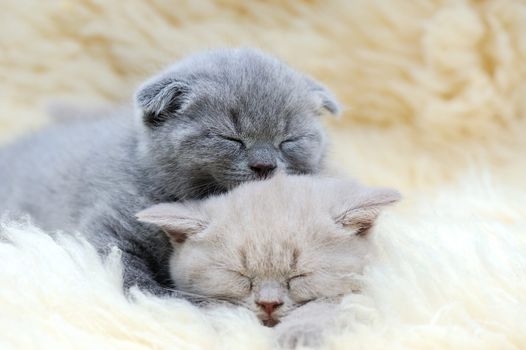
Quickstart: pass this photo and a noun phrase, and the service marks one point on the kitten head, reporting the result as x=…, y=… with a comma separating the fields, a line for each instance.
x=272, y=245
x=227, y=116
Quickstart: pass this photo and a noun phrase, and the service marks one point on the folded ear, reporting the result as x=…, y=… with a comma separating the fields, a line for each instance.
x=160, y=99
x=360, y=212
x=179, y=221
x=326, y=98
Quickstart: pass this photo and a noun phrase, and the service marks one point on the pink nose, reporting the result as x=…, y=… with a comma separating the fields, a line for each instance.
x=269, y=306
x=263, y=168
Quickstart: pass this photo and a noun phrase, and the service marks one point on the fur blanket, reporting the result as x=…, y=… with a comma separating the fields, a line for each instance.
x=435, y=96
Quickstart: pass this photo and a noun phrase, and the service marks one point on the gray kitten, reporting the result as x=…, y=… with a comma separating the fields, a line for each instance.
x=207, y=124
x=301, y=244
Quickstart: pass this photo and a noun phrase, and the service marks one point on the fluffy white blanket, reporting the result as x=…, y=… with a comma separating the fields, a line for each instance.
x=447, y=274
x=435, y=96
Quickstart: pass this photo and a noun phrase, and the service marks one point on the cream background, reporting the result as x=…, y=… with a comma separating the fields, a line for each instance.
x=435, y=105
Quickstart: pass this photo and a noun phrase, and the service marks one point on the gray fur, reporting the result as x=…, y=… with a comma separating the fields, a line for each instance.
x=202, y=125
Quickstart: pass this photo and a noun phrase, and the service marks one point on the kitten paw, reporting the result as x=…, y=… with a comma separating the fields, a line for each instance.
x=305, y=335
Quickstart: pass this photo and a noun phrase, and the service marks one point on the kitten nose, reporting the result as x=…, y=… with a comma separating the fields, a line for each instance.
x=269, y=306
x=263, y=168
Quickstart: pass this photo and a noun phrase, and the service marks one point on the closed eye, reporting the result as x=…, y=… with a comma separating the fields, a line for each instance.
x=242, y=275
x=296, y=277
x=297, y=139
x=232, y=139
x=291, y=140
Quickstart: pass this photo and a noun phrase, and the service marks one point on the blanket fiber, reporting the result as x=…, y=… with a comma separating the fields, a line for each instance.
x=434, y=95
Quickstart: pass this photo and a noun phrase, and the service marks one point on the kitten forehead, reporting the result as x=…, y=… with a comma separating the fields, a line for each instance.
x=278, y=208
x=236, y=69
x=257, y=86
x=270, y=258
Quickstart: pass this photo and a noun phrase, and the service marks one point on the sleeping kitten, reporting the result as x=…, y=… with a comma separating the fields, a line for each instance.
x=275, y=245
x=207, y=124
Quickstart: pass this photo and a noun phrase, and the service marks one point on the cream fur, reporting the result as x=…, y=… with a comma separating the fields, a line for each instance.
x=252, y=244
x=435, y=96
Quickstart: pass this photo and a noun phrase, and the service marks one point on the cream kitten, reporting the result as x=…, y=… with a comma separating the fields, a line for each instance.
x=275, y=245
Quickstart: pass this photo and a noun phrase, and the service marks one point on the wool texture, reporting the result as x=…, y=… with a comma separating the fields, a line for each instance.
x=434, y=96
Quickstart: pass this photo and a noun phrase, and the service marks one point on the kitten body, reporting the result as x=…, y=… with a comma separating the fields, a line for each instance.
x=205, y=125
x=277, y=247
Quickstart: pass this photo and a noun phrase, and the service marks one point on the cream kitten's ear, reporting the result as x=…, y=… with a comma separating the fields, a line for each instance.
x=179, y=221
x=359, y=212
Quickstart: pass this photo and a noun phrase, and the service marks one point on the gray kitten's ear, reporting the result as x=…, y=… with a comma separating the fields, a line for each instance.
x=178, y=221
x=327, y=100
x=161, y=99
x=360, y=212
